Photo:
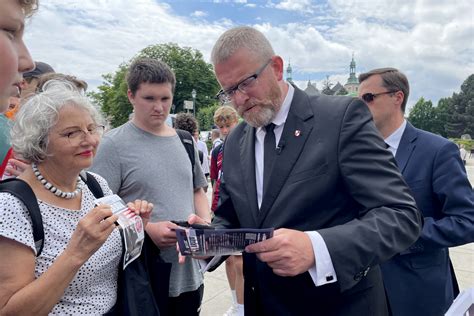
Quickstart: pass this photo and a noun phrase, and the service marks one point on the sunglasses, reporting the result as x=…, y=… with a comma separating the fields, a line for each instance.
x=369, y=97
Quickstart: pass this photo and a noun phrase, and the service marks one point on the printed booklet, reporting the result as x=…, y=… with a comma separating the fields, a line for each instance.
x=218, y=242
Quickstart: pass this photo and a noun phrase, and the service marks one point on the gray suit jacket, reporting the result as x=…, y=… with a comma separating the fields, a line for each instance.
x=334, y=175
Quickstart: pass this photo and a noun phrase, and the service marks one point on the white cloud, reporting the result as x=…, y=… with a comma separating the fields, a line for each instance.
x=295, y=5
x=199, y=14
x=431, y=41
x=91, y=39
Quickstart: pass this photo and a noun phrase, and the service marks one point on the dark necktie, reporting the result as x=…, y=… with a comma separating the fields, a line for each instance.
x=269, y=154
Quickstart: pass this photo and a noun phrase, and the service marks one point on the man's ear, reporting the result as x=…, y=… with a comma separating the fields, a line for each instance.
x=399, y=97
x=131, y=96
x=277, y=67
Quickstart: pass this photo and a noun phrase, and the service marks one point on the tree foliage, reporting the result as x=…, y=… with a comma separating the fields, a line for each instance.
x=206, y=117
x=453, y=117
x=422, y=115
x=191, y=71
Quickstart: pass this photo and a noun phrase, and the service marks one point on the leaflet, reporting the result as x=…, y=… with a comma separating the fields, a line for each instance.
x=131, y=226
x=218, y=242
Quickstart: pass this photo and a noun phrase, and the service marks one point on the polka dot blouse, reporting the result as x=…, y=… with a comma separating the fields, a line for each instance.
x=93, y=291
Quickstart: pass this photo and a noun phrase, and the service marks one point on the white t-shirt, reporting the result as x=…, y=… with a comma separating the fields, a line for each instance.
x=93, y=291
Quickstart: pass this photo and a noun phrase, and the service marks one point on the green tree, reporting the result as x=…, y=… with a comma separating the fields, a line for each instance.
x=191, y=71
x=463, y=104
x=455, y=114
x=112, y=97
x=422, y=115
x=206, y=117
x=342, y=91
x=443, y=112
x=327, y=85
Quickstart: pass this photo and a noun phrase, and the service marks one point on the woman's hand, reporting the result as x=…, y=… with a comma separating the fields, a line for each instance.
x=91, y=233
x=15, y=167
x=142, y=208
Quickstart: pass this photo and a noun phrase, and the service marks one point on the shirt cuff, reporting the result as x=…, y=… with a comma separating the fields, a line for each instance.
x=323, y=271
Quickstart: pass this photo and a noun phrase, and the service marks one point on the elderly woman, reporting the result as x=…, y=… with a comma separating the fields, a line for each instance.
x=58, y=132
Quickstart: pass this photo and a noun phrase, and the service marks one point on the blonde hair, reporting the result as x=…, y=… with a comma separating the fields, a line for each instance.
x=29, y=6
x=81, y=85
x=225, y=114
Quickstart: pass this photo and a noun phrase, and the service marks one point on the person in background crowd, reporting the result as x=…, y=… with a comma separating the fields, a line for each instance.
x=316, y=170
x=145, y=157
x=58, y=132
x=226, y=118
x=463, y=153
x=79, y=85
x=201, y=146
x=421, y=280
x=188, y=122
x=215, y=138
x=30, y=81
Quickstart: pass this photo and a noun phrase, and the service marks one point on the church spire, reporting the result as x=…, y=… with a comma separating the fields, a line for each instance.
x=289, y=70
x=352, y=72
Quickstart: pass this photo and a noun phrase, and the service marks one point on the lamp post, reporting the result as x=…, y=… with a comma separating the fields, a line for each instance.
x=193, y=94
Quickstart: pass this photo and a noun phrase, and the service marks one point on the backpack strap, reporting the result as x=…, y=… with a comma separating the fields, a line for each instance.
x=24, y=193
x=92, y=183
x=188, y=144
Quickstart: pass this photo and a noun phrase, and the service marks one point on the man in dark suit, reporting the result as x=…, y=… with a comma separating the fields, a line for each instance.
x=420, y=280
x=321, y=175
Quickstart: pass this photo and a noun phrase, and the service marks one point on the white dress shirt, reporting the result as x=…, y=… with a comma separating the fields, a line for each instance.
x=394, y=139
x=323, y=272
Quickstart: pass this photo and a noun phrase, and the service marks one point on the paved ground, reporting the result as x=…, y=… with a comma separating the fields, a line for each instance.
x=217, y=297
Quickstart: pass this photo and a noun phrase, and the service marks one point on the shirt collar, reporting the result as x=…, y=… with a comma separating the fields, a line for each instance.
x=394, y=139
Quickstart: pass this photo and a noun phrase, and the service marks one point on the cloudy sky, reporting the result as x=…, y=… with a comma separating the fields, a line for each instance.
x=432, y=41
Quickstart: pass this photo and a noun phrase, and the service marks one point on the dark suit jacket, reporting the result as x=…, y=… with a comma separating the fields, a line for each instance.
x=433, y=169
x=334, y=176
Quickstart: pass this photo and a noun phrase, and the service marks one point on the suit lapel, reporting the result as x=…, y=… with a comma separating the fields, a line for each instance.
x=406, y=146
x=247, y=158
x=294, y=136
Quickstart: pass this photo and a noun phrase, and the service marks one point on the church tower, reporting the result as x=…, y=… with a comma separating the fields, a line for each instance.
x=352, y=85
x=289, y=70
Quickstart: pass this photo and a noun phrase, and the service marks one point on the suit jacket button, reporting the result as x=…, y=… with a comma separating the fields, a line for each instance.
x=253, y=289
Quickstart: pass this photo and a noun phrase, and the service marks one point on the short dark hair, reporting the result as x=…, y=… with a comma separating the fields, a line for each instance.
x=392, y=79
x=149, y=70
x=187, y=122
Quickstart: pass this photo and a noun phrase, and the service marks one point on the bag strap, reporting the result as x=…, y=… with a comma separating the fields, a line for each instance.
x=188, y=144
x=24, y=193
x=92, y=183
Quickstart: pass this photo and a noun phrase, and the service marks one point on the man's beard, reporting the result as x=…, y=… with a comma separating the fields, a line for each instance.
x=266, y=109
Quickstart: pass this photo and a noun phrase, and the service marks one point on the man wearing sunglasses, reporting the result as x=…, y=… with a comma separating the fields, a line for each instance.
x=420, y=280
x=315, y=169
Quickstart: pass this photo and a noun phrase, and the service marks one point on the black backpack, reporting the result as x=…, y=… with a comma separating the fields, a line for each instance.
x=188, y=144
